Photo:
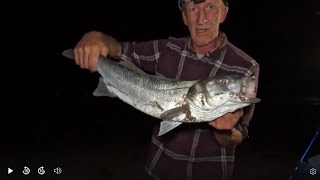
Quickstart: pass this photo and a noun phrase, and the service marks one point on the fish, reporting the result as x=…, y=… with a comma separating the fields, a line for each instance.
x=173, y=101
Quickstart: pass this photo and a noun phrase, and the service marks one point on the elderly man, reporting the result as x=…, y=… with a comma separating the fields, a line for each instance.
x=191, y=151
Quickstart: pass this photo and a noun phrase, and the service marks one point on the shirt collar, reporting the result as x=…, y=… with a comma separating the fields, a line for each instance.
x=221, y=35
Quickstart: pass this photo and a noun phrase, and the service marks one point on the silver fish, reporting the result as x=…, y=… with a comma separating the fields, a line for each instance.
x=170, y=100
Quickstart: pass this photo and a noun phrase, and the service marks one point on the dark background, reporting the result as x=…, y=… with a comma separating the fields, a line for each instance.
x=49, y=117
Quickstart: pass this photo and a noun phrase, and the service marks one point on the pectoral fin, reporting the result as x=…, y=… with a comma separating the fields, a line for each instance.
x=174, y=113
x=166, y=126
x=102, y=89
x=170, y=119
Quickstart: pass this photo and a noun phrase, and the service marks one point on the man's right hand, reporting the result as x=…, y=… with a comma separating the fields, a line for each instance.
x=91, y=46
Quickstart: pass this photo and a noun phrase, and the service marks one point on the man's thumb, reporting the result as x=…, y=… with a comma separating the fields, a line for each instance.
x=104, y=51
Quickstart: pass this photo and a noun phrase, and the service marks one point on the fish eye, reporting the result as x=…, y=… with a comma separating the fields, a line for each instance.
x=223, y=81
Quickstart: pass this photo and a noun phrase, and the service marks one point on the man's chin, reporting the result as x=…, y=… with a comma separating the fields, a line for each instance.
x=201, y=43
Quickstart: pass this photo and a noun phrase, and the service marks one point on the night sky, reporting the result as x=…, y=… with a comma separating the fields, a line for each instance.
x=48, y=110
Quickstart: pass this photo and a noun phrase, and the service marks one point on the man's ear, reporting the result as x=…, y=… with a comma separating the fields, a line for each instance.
x=184, y=17
x=224, y=14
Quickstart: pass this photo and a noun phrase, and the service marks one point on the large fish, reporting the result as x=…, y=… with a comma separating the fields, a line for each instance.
x=173, y=101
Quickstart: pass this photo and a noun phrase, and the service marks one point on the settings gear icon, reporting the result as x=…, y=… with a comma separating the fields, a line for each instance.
x=313, y=171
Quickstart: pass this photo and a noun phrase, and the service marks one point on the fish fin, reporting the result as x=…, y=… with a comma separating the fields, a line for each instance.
x=173, y=113
x=102, y=89
x=255, y=100
x=68, y=53
x=130, y=65
x=166, y=126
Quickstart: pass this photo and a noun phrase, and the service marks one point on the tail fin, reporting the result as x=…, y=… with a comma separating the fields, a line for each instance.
x=68, y=53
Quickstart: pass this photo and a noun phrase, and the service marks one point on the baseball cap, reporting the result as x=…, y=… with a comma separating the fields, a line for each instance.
x=181, y=2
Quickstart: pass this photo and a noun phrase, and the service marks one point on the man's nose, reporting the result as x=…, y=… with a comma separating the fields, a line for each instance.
x=202, y=17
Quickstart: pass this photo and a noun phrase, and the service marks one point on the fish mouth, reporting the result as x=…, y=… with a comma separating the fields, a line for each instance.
x=248, y=91
x=247, y=99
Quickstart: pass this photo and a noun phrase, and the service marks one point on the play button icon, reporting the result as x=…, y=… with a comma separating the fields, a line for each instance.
x=10, y=170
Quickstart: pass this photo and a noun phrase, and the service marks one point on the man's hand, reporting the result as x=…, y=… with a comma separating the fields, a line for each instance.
x=227, y=121
x=225, y=133
x=228, y=139
x=91, y=46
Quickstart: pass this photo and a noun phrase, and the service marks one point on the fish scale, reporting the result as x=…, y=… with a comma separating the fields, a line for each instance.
x=140, y=86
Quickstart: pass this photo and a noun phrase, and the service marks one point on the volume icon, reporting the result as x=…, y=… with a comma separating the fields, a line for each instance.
x=57, y=170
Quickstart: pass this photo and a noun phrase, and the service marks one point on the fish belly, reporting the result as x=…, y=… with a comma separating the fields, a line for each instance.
x=210, y=114
x=148, y=102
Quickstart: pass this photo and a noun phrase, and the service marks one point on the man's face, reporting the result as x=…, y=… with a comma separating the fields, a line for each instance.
x=203, y=20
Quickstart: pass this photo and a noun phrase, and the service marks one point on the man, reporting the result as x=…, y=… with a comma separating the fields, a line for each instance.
x=191, y=151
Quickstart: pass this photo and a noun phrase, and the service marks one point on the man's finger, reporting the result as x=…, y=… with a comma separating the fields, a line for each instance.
x=81, y=56
x=86, y=59
x=238, y=113
x=76, y=56
x=88, y=51
x=93, y=59
x=104, y=51
x=213, y=123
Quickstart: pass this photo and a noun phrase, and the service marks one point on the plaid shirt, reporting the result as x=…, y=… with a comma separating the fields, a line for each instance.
x=190, y=152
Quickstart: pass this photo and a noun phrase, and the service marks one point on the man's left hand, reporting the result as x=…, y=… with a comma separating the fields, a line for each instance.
x=227, y=121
